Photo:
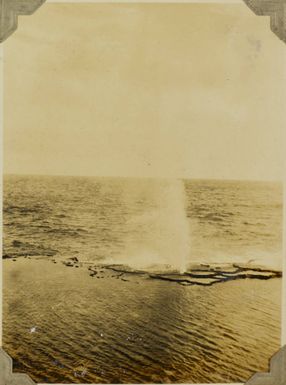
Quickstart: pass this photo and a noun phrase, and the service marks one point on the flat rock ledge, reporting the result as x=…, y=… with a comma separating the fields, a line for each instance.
x=204, y=275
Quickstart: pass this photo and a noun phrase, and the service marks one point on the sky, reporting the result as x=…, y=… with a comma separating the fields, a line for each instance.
x=145, y=90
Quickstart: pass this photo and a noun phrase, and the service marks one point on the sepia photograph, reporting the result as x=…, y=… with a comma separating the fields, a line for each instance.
x=143, y=193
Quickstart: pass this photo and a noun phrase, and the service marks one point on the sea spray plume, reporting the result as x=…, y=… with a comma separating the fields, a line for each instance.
x=157, y=235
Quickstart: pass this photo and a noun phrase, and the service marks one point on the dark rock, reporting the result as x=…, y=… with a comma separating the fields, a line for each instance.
x=6, y=256
x=17, y=243
x=74, y=259
x=68, y=264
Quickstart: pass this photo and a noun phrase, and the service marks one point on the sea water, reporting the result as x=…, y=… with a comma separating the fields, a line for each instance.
x=143, y=222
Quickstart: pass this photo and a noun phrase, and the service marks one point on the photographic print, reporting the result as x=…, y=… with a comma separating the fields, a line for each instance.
x=143, y=194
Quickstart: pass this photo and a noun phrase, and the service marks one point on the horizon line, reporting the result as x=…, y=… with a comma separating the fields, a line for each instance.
x=145, y=177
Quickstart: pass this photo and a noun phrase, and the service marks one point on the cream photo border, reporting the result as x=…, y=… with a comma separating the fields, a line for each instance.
x=275, y=10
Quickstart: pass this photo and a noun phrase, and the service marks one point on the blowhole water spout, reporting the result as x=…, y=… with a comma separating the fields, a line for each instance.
x=162, y=236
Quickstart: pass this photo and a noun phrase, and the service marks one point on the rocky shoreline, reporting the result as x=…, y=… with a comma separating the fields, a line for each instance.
x=196, y=274
x=200, y=274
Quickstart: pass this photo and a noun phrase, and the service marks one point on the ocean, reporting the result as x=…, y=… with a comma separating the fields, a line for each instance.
x=143, y=221
x=69, y=318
